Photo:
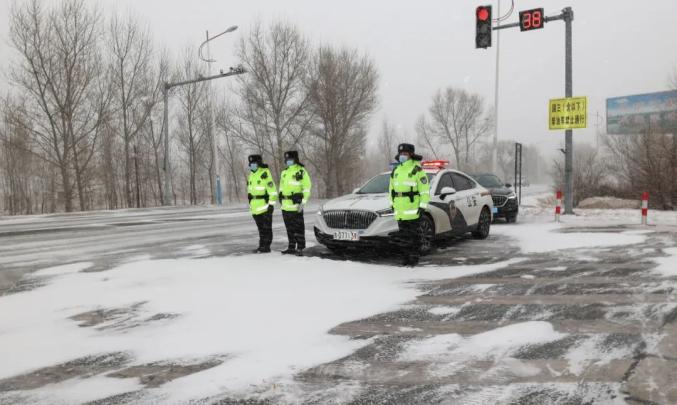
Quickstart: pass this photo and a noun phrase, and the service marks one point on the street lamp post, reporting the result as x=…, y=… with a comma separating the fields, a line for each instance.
x=165, y=96
x=214, y=145
x=168, y=86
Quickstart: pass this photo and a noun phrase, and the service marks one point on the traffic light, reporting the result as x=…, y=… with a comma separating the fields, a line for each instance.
x=483, y=27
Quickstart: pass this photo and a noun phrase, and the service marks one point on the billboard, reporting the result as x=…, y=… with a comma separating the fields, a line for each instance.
x=655, y=112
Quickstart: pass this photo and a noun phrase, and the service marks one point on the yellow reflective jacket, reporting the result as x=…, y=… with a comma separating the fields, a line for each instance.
x=409, y=190
x=295, y=187
x=261, y=191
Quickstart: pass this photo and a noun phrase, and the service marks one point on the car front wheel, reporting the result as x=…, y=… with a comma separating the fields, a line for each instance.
x=427, y=234
x=483, y=225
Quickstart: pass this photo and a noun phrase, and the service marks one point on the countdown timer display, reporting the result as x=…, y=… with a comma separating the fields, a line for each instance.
x=532, y=19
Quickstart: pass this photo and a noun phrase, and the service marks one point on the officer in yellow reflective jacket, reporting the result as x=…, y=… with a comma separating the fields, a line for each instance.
x=262, y=195
x=295, y=188
x=409, y=197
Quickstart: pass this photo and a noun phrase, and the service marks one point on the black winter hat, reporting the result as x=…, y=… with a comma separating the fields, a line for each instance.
x=291, y=154
x=407, y=147
x=255, y=159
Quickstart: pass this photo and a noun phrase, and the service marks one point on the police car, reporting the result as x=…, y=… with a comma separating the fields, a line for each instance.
x=364, y=218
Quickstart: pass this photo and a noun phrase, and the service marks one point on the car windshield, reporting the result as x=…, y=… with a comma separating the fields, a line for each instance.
x=489, y=180
x=380, y=184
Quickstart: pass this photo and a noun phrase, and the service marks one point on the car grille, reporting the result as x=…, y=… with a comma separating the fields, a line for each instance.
x=499, y=200
x=342, y=219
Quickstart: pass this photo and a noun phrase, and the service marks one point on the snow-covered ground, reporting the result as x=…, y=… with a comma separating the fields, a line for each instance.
x=268, y=317
x=557, y=310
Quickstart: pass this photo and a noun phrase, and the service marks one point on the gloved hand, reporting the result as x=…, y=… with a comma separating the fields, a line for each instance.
x=299, y=208
x=270, y=208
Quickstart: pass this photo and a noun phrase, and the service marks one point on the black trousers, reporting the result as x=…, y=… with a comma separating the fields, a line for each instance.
x=264, y=222
x=410, y=237
x=296, y=229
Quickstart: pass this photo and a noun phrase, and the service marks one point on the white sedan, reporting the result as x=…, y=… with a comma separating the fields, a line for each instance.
x=458, y=205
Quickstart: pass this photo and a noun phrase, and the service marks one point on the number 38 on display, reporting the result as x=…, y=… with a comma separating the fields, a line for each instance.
x=531, y=19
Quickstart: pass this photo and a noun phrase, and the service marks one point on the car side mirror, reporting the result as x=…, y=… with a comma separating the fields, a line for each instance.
x=447, y=191
x=508, y=185
x=356, y=190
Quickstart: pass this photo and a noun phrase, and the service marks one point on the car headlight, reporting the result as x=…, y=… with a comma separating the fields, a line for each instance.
x=388, y=212
x=512, y=196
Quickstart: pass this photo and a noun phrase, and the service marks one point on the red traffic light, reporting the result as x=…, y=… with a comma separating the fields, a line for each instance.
x=483, y=13
x=483, y=27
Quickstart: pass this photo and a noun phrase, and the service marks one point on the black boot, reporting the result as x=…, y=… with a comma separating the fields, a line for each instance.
x=289, y=251
x=299, y=252
x=264, y=250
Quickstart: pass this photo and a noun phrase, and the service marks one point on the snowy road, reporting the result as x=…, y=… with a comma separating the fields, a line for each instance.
x=167, y=306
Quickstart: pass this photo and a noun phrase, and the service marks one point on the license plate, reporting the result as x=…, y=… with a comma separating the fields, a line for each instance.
x=346, y=235
x=494, y=210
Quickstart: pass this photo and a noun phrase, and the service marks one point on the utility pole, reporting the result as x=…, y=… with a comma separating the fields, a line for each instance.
x=568, y=15
x=168, y=86
x=494, y=153
x=165, y=132
x=210, y=129
x=215, y=177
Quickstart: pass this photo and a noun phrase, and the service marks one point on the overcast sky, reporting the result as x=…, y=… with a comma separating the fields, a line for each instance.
x=620, y=47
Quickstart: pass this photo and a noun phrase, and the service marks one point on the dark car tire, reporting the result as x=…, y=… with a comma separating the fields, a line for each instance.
x=427, y=235
x=483, y=225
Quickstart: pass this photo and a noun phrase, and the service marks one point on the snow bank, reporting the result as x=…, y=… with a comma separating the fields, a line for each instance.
x=269, y=315
x=609, y=203
x=541, y=238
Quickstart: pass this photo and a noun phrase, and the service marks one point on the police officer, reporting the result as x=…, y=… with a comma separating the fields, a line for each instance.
x=294, y=193
x=409, y=196
x=262, y=195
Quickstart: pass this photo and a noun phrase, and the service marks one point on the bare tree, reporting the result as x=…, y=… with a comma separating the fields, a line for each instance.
x=458, y=119
x=273, y=98
x=58, y=70
x=192, y=129
x=644, y=162
x=387, y=142
x=230, y=150
x=131, y=50
x=342, y=94
x=426, y=138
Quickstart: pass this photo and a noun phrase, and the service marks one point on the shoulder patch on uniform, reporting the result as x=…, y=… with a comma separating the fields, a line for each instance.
x=424, y=179
x=416, y=169
x=270, y=184
x=264, y=175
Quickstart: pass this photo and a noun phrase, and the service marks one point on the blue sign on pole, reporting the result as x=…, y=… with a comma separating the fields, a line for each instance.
x=655, y=112
x=219, y=197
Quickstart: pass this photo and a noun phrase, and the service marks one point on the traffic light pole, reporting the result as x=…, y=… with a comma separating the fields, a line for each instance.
x=569, y=137
x=568, y=17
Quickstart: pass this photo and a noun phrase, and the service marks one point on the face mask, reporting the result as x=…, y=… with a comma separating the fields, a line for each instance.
x=290, y=163
x=403, y=158
x=253, y=167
